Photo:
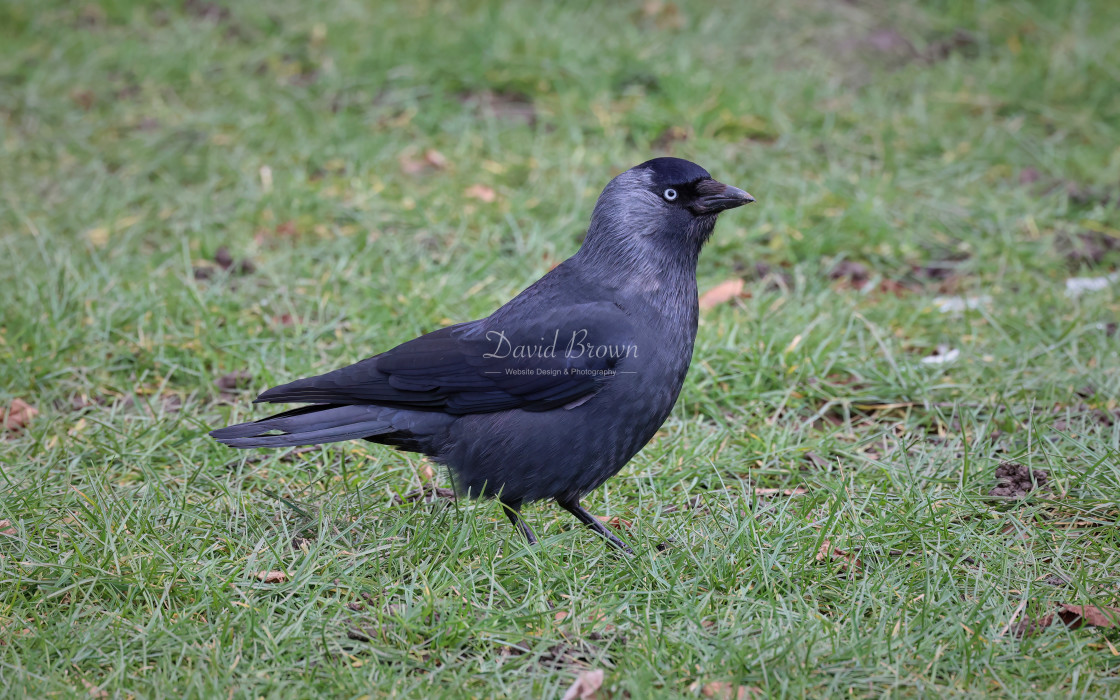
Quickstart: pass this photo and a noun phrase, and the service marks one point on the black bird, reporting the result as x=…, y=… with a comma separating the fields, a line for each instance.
x=553, y=393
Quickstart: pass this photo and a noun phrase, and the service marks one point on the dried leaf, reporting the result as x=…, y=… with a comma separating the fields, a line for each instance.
x=1095, y=616
x=850, y=270
x=722, y=690
x=435, y=159
x=18, y=416
x=94, y=691
x=827, y=552
x=1072, y=616
x=1028, y=627
x=83, y=98
x=287, y=229
x=426, y=472
x=784, y=492
x=615, y=522
x=481, y=192
x=272, y=576
x=721, y=293
x=586, y=686
x=234, y=380
x=7, y=529
x=430, y=160
x=816, y=460
x=664, y=15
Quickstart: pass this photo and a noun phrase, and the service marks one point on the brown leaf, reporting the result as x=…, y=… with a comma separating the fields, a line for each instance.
x=272, y=576
x=894, y=287
x=784, y=492
x=430, y=160
x=94, y=691
x=285, y=319
x=827, y=551
x=855, y=272
x=435, y=159
x=83, y=98
x=721, y=293
x=816, y=460
x=722, y=690
x=481, y=192
x=234, y=380
x=615, y=522
x=664, y=15
x=426, y=472
x=1095, y=616
x=7, y=529
x=18, y=416
x=288, y=228
x=1028, y=627
x=586, y=686
x=1072, y=616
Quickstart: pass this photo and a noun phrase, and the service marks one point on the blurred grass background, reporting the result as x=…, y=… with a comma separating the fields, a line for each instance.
x=202, y=199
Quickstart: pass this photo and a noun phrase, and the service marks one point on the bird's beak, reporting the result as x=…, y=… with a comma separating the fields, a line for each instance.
x=716, y=197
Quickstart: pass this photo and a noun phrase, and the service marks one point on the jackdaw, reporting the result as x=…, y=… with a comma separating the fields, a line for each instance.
x=553, y=393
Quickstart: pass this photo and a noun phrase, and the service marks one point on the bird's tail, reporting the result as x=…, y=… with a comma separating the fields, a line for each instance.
x=309, y=425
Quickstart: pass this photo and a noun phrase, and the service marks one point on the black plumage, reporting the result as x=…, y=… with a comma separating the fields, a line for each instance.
x=554, y=392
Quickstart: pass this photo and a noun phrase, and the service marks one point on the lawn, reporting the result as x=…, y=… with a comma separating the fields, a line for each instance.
x=199, y=200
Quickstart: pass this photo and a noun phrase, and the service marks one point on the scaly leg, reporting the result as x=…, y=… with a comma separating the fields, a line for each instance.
x=592, y=522
x=513, y=512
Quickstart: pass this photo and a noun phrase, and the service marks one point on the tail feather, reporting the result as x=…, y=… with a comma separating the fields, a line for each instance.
x=309, y=425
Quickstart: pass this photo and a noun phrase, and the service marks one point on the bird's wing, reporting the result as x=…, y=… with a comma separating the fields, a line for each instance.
x=563, y=355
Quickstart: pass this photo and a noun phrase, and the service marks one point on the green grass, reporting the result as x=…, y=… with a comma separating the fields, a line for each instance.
x=136, y=140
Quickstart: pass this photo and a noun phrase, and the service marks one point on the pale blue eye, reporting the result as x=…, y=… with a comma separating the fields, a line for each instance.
x=670, y=194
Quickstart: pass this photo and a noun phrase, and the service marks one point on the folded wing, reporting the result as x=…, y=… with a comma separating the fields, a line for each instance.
x=559, y=358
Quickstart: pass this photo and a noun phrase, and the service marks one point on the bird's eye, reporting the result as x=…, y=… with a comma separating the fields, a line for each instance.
x=669, y=194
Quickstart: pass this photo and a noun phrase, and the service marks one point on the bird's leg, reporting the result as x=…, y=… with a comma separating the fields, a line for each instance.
x=513, y=512
x=573, y=507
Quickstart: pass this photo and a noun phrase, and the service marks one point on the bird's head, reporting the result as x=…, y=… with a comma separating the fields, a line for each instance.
x=663, y=207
